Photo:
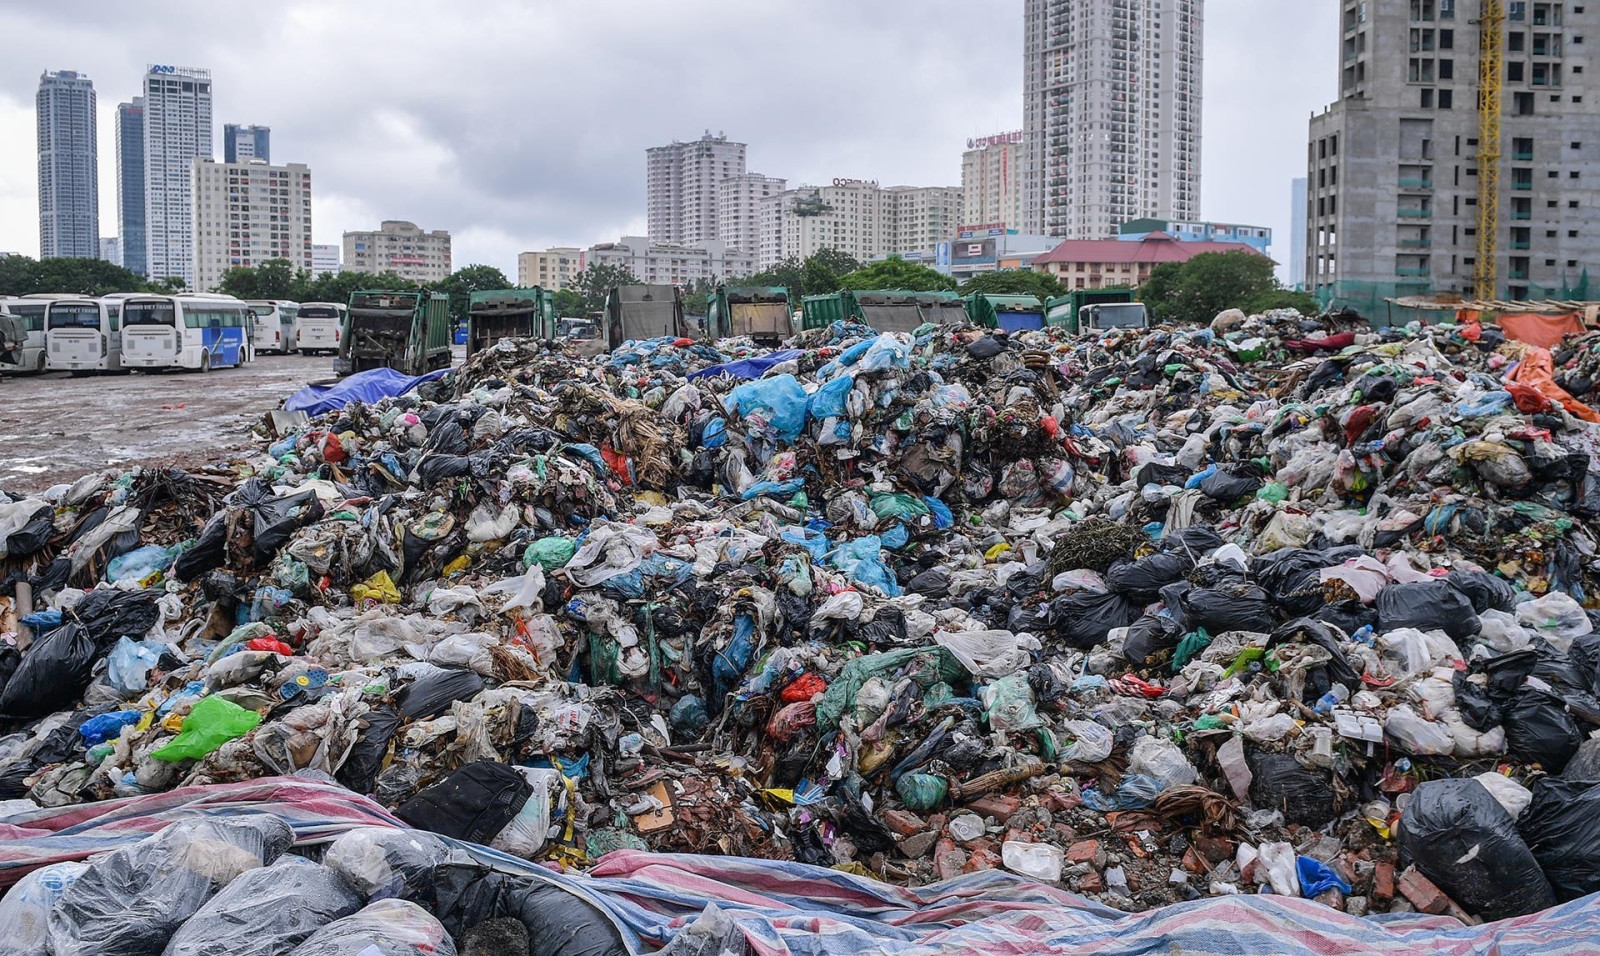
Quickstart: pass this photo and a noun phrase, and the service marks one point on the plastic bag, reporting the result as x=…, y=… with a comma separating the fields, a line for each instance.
x=549, y=553
x=525, y=835
x=1417, y=736
x=1562, y=829
x=773, y=407
x=25, y=911
x=861, y=561
x=1432, y=606
x=432, y=694
x=1407, y=653
x=1162, y=759
x=1040, y=861
x=213, y=722
x=1540, y=730
x=1462, y=839
x=1151, y=641
x=1086, y=619
x=921, y=791
x=130, y=901
x=1282, y=872
x=1141, y=581
x=53, y=673
x=381, y=862
x=1557, y=618
x=266, y=911
x=1484, y=590
x=987, y=654
x=1008, y=704
x=1507, y=792
x=1304, y=796
x=1231, y=607
x=129, y=664
x=385, y=928
x=140, y=563
x=1091, y=742
x=474, y=803
x=1317, y=877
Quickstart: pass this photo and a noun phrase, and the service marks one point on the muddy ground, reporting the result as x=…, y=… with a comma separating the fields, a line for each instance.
x=55, y=428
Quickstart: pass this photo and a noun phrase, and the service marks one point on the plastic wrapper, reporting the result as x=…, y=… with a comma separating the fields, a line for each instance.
x=266, y=911
x=25, y=910
x=1462, y=839
x=1163, y=760
x=384, y=928
x=379, y=862
x=131, y=901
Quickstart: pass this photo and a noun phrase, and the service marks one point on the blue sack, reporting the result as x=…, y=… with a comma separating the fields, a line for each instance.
x=862, y=562
x=780, y=400
x=1317, y=877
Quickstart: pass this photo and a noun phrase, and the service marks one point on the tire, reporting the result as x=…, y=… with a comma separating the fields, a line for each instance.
x=205, y=361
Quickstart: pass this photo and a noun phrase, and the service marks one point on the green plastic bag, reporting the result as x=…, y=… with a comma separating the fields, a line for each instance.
x=904, y=507
x=212, y=723
x=921, y=791
x=550, y=553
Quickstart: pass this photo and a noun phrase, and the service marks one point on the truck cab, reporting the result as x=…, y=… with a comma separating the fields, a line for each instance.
x=1092, y=310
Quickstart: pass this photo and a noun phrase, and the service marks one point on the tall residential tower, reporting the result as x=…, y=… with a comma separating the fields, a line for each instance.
x=130, y=185
x=177, y=131
x=682, y=187
x=69, y=194
x=240, y=144
x=1111, y=114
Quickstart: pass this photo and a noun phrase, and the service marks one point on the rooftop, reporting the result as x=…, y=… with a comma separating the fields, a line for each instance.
x=1155, y=248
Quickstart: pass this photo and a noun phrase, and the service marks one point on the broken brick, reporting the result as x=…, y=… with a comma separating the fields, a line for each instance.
x=1091, y=882
x=984, y=859
x=1087, y=851
x=1383, y=883
x=995, y=805
x=1422, y=892
x=903, y=822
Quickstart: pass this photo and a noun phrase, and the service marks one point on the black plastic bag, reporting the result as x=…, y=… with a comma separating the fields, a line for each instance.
x=434, y=469
x=474, y=803
x=266, y=911
x=108, y=614
x=932, y=582
x=1427, y=606
x=207, y=553
x=1478, y=710
x=1305, y=796
x=360, y=769
x=1562, y=829
x=447, y=438
x=1337, y=670
x=131, y=901
x=1584, y=656
x=1462, y=839
x=277, y=519
x=1540, y=730
x=52, y=675
x=34, y=534
x=1484, y=590
x=1142, y=580
x=1083, y=620
x=986, y=347
x=1151, y=641
x=1585, y=764
x=1231, y=607
x=557, y=920
x=1347, y=616
x=1196, y=541
x=1232, y=481
x=433, y=693
x=1155, y=473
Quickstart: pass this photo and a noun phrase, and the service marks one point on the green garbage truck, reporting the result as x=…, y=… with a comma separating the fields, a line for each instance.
x=405, y=331
x=884, y=310
x=1013, y=313
x=509, y=313
x=1090, y=310
x=637, y=312
x=765, y=313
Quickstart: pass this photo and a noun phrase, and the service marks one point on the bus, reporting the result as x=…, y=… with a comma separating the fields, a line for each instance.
x=30, y=309
x=82, y=335
x=277, y=325
x=319, y=327
x=188, y=330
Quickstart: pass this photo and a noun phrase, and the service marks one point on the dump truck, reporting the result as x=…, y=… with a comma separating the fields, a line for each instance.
x=1013, y=313
x=635, y=312
x=405, y=331
x=885, y=311
x=1085, y=310
x=509, y=314
x=765, y=313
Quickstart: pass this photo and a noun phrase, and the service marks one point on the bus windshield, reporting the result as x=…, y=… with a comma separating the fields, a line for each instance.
x=74, y=316
x=318, y=312
x=148, y=313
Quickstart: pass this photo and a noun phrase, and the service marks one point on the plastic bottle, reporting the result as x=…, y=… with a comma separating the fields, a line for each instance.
x=1336, y=696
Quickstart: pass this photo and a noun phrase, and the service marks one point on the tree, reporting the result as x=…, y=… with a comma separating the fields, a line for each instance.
x=597, y=281
x=789, y=273
x=568, y=304
x=273, y=279
x=896, y=273
x=822, y=270
x=166, y=285
x=1014, y=282
x=21, y=275
x=1207, y=284
x=460, y=285
x=695, y=293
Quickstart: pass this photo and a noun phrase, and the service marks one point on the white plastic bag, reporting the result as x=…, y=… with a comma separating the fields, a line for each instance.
x=1091, y=742
x=525, y=835
x=1162, y=759
x=1280, y=863
x=25, y=911
x=1408, y=653
x=1509, y=793
x=1417, y=736
x=1500, y=632
x=1555, y=617
x=988, y=654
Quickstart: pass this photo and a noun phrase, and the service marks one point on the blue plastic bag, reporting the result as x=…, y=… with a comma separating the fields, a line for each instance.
x=129, y=663
x=268, y=601
x=1137, y=792
x=861, y=561
x=812, y=540
x=1317, y=877
x=780, y=489
x=779, y=403
x=42, y=621
x=942, y=516
x=1194, y=480
x=728, y=667
x=715, y=434
x=886, y=352
x=104, y=727
x=896, y=537
x=829, y=400
x=140, y=563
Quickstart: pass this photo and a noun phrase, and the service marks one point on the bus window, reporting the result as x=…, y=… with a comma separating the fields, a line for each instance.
x=75, y=317
x=149, y=313
x=115, y=316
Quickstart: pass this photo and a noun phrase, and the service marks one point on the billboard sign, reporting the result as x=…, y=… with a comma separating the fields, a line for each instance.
x=998, y=139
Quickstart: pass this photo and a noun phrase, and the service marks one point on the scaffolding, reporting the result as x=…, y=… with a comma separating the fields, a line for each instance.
x=1486, y=274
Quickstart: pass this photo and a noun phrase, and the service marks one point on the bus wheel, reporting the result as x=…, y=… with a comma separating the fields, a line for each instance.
x=205, y=361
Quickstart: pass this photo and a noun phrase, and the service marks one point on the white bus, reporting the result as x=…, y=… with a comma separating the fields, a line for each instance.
x=30, y=309
x=320, y=327
x=277, y=325
x=188, y=330
x=83, y=334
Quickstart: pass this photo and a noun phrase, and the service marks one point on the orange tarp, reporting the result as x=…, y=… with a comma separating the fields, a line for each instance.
x=1533, y=383
x=1545, y=331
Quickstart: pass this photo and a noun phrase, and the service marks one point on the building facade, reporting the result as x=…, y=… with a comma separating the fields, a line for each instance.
x=682, y=186
x=69, y=192
x=860, y=218
x=1110, y=263
x=1258, y=238
x=130, y=184
x=325, y=258
x=991, y=180
x=240, y=144
x=671, y=263
x=177, y=131
x=247, y=213
x=400, y=247
x=1393, y=166
x=111, y=249
x=555, y=268
x=1111, y=113
x=1297, y=233
x=739, y=199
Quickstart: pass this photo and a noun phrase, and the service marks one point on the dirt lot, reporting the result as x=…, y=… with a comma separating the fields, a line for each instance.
x=54, y=428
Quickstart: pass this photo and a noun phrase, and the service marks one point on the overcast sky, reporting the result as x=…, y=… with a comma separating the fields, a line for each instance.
x=521, y=125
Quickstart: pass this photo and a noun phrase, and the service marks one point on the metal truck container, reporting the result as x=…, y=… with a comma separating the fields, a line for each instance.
x=509, y=313
x=765, y=313
x=885, y=311
x=635, y=312
x=1013, y=313
x=405, y=331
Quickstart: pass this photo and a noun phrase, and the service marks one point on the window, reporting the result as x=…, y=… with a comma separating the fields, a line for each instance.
x=1516, y=41
x=1446, y=99
x=1572, y=204
x=1579, y=38
x=1447, y=9
x=1427, y=99
x=1447, y=39
x=1572, y=233
x=1447, y=69
x=1515, y=71
x=1519, y=11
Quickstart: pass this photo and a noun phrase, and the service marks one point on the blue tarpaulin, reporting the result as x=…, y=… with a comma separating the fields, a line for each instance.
x=750, y=367
x=368, y=386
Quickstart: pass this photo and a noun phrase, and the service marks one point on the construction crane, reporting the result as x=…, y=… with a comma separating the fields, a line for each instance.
x=1490, y=43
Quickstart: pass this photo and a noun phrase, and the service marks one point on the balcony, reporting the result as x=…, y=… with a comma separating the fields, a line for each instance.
x=1416, y=184
x=1520, y=245
x=1523, y=214
x=1525, y=187
x=1410, y=271
x=1523, y=155
x=1518, y=274
x=1415, y=243
x=1405, y=213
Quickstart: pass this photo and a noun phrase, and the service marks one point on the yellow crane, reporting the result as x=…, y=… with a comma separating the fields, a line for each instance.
x=1491, y=19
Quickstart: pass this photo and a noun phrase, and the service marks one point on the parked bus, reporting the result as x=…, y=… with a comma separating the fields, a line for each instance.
x=30, y=310
x=276, y=326
x=188, y=330
x=83, y=334
x=319, y=327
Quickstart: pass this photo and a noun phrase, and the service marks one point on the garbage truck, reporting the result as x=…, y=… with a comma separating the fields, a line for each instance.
x=635, y=312
x=765, y=313
x=1087, y=310
x=885, y=311
x=509, y=314
x=1013, y=313
x=405, y=331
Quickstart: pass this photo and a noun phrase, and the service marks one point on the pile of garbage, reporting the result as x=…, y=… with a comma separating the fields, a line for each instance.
x=1277, y=605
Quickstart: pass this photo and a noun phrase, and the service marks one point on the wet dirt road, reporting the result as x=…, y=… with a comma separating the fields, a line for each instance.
x=55, y=428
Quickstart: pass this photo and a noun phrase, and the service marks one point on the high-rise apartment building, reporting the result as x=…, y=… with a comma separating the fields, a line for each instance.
x=671, y=263
x=69, y=193
x=739, y=201
x=177, y=131
x=1393, y=166
x=555, y=268
x=130, y=184
x=325, y=258
x=682, y=187
x=399, y=247
x=240, y=144
x=1111, y=113
x=861, y=219
x=991, y=180
x=247, y=213
x=1297, y=233
x=111, y=249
